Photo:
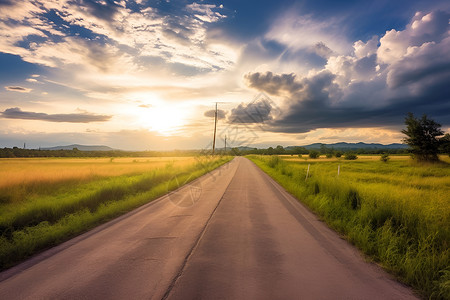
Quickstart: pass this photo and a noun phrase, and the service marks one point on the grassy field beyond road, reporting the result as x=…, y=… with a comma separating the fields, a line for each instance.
x=397, y=212
x=46, y=201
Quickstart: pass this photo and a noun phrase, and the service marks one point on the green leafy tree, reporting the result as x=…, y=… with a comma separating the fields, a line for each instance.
x=422, y=136
x=314, y=154
x=279, y=150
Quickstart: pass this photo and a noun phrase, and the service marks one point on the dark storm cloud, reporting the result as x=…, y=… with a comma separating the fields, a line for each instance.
x=258, y=111
x=273, y=84
x=375, y=86
x=320, y=103
x=17, y=113
x=221, y=114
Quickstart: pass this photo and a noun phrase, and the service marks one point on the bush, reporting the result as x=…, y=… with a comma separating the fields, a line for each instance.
x=338, y=154
x=300, y=156
x=385, y=157
x=350, y=156
x=329, y=155
x=314, y=154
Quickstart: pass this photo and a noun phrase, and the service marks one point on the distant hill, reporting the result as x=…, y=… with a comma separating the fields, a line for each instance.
x=352, y=146
x=80, y=147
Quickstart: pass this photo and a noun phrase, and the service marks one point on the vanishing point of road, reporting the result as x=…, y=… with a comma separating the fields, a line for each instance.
x=232, y=234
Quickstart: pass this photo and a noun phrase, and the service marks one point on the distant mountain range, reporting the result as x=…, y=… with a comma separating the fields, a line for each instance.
x=352, y=146
x=335, y=146
x=80, y=147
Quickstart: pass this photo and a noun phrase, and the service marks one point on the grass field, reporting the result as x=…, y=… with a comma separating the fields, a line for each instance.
x=398, y=212
x=46, y=201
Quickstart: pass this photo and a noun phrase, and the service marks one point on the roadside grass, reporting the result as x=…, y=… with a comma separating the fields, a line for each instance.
x=54, y=210
x=398, y=213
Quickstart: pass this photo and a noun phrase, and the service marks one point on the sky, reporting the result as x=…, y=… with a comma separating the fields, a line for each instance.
x=146, y=75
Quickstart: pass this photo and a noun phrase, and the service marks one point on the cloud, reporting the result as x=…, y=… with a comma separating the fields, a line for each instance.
x=79, y=31
x=17, y=113
x=322, y=50
x=418, y=53
x=17, y=89
x=221, y=114
x=374, y=86
x=145, y=105
x=305, y=32
x=256, y=112
x=205, y=12
x=6, y=2
x=424, y=28
x=105, y=10
x=273, y=84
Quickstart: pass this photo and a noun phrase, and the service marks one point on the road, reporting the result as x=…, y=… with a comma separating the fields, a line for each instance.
x=232, y=234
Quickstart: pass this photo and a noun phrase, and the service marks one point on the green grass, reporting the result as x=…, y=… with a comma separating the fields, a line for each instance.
x=46, y=217
x=398, y=213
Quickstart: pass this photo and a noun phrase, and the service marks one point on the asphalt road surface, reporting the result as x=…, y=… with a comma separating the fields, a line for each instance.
x=232, y=234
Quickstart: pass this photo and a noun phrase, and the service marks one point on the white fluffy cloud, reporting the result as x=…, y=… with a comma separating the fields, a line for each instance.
x=116, y=31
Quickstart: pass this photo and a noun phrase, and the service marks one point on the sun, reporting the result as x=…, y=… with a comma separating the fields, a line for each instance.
x=160, y=116
x=165, y=119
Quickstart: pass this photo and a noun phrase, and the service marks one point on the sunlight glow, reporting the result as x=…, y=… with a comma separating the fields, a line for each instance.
x=157, y=115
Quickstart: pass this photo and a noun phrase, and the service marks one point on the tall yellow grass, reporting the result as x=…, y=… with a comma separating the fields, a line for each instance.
x=23, y=171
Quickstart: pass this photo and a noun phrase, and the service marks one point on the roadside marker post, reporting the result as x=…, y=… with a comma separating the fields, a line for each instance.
x=307, y=172
x=339, y=169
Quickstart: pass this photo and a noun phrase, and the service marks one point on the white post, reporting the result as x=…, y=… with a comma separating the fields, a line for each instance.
x=339, y=169
x=307, y=172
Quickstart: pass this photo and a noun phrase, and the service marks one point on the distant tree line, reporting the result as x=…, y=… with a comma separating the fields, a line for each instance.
x=20, y=152
x=278, y=150
x=323, y=150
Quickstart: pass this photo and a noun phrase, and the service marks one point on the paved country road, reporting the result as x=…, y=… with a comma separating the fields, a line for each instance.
x=232, y=234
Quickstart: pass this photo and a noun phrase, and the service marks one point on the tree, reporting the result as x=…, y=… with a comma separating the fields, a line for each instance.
x=422, y=137
x=314, y=154
x=279, y=150
x=445, y=143
x=350, y=156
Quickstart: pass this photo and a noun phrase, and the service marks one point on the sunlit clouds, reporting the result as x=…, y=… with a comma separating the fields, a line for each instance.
x=103, y=70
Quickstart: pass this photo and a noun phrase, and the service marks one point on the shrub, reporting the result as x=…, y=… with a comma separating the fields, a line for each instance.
x=338, y=154
x=314, y=154
x=329, y=155
x=350, y=156
x=385, y=157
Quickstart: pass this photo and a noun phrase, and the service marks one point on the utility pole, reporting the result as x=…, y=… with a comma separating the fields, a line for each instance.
x=216, y=116
x=225, y=144
x=215, y=127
